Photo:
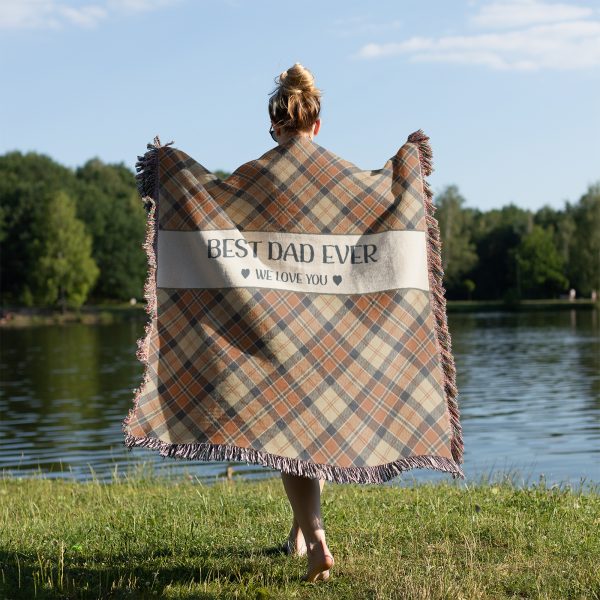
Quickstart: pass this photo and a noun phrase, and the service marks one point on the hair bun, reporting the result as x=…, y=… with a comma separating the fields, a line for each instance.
x=295, y=102
x=297, y=80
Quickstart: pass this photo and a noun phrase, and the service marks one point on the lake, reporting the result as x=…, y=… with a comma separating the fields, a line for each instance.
x=529, y=398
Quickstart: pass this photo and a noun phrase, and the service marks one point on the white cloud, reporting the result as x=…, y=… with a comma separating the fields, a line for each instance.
x=519, y=13
x=552, y=38
x=55, y=14
x=86, y=16
x=138, y=5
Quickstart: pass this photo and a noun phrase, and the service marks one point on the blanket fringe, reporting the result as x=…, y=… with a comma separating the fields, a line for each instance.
x=147, y=184
x=205, y=451
x=436, y=274
x=147, y=168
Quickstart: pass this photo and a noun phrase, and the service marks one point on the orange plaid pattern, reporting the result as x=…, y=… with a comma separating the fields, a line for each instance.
x=345, y=387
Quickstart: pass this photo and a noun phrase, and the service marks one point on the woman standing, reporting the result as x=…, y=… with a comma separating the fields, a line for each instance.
x=294, y=109
x=298, y=316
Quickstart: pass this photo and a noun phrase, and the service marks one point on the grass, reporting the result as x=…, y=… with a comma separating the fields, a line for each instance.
x=147, y=536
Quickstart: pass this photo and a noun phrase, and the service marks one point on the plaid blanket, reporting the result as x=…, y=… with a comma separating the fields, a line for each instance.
x=297, y=317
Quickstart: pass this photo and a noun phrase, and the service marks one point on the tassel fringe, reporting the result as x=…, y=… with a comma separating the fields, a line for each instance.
x=205, y=451
x=147, y=184
x=438, y=299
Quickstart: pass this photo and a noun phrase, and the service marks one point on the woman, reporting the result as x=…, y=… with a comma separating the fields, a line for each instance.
x=294, y=109
x=326, y=357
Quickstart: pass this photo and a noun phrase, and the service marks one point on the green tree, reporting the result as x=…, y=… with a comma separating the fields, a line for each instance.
x=469, y=286
x=65, y=270
x=221, y=174
x=458, y=251
x=562, y=226
x=497, y=232
x=540, y=265
x=26, y=182
x=110, y=206
x=584, y=263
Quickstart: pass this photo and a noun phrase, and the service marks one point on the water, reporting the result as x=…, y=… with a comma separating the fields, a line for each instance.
x=529, y=396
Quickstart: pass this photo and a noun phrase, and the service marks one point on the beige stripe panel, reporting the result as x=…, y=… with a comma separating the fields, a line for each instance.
x=318, y=263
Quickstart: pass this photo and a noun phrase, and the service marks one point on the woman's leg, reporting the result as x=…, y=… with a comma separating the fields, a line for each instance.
x=295, y=536
x=304, y=495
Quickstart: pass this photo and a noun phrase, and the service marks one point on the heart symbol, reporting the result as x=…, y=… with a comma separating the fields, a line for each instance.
x=337, y=279
x=245, y=273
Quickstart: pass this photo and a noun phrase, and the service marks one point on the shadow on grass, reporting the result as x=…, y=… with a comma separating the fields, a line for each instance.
x=136, y=575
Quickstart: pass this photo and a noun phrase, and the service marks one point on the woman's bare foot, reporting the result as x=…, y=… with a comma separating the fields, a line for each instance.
x=320, y=561
x=295, y=541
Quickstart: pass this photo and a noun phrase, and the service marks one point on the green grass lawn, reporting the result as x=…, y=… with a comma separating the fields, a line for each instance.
x=153, y=537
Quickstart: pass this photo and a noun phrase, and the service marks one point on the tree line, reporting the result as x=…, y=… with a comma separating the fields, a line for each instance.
x=513, y=253
x=74, y=236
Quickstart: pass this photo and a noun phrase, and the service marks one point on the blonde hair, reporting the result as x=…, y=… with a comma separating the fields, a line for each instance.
x=295, y=104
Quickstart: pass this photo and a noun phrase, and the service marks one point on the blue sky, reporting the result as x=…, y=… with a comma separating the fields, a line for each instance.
x=507, y=90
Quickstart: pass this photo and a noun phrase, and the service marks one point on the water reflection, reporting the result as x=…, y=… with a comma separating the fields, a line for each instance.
x=530, y=392
x=529, y=395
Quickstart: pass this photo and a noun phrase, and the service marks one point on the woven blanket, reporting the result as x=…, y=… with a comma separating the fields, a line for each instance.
x=297, y=317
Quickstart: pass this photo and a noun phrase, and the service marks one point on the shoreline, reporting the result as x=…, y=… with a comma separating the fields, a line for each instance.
x=103, y=314
x=93, y=314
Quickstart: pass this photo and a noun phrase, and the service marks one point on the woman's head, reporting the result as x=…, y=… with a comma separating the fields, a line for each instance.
x=295, y=104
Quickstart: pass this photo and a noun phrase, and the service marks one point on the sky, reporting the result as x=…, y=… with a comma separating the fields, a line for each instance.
x=507, y=90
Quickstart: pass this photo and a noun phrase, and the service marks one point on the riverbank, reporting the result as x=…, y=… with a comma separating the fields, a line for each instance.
x=145, y=537
x=96, y=314
x=524, y=305
x=112, y=313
